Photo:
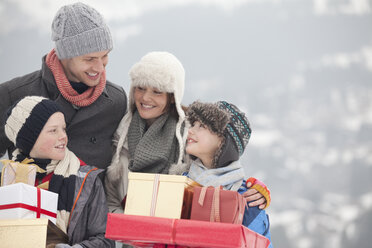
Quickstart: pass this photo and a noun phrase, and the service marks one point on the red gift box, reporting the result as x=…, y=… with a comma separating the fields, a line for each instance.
x=217, y=205
x=135, y=228
x=146, y=231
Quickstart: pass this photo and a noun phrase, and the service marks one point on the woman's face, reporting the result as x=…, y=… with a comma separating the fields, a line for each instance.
x=150, y=103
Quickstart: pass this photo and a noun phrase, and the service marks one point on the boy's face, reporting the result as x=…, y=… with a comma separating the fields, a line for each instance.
x=150, y=103
x=52, y=141
x=87, y=68
x=202, y=143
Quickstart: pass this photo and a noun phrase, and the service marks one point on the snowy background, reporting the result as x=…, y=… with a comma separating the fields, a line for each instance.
x=300, y=69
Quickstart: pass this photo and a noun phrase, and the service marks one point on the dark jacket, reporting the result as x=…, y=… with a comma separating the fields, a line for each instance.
x=90, y=129
x=88, y=220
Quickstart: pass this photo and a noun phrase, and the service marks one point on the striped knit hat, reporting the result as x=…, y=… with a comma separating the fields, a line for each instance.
x=227, y=121
x=26, y=119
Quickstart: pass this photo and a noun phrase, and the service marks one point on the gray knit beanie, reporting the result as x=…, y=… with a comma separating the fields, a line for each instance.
x=227, y=121
x=78, y=29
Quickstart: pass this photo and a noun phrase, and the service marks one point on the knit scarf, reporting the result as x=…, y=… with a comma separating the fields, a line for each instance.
x=61, y=175
x=82, y=100
x=155, y=149
x=230, y=177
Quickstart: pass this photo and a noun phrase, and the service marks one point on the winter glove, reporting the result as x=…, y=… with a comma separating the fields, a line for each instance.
x=261, y=188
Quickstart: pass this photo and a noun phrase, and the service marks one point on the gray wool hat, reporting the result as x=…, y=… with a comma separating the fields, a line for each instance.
x=227, y=121
x=78, y=29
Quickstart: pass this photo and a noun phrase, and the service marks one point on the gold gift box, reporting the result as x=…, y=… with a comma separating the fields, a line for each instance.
x=168, y=196
x=15, y=172
x=30, y=233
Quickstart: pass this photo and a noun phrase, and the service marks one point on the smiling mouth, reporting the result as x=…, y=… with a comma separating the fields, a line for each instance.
x=93, y=76
x=60, y=146
x=189, y=141
x=145, y=106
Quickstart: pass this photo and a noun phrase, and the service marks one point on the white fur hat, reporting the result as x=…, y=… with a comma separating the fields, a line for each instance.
x=163, y=71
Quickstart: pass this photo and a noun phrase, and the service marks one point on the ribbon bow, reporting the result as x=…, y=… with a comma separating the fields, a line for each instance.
x=25, y=161
x=22, y=169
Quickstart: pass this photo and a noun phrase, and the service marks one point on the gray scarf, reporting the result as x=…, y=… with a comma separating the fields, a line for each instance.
x=155, y=149
x=230, y=177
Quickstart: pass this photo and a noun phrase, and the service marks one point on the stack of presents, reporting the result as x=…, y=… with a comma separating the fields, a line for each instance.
x=160, y=211
x=174, y=211
x=27, y=213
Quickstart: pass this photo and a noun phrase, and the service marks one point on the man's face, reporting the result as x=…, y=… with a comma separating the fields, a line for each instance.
x=87, y=68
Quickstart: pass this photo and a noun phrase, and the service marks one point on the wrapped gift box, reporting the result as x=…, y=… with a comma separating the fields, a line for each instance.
x=159, y=195
x=217, y=205
x=15, y=172
x=146, y=231
x=30, y=233
x=23, y=201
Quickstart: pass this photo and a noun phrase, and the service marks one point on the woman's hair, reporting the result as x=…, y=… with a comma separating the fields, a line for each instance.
x=171, y=106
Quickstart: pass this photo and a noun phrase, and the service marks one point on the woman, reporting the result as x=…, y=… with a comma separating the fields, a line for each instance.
x=150, y=137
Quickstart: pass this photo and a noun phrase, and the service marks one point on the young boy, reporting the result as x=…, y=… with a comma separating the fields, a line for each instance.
x=217, y=137
x=37, y=128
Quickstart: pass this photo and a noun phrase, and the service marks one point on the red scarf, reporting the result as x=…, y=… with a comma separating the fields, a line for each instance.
x=82, y=100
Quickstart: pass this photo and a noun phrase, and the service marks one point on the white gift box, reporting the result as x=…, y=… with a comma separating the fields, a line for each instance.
x=23, y=201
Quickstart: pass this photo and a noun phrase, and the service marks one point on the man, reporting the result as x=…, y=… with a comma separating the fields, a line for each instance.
x=73, y=75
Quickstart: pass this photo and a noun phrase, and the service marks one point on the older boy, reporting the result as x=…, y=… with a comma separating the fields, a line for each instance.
x=37, y=128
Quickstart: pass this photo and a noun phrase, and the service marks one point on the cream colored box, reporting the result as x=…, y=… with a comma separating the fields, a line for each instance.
x=30, y=233
x=158, y=195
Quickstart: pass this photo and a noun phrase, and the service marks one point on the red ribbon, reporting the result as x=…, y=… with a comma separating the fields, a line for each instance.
x=38, y=203
x=173, y=238
x=39, y=211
